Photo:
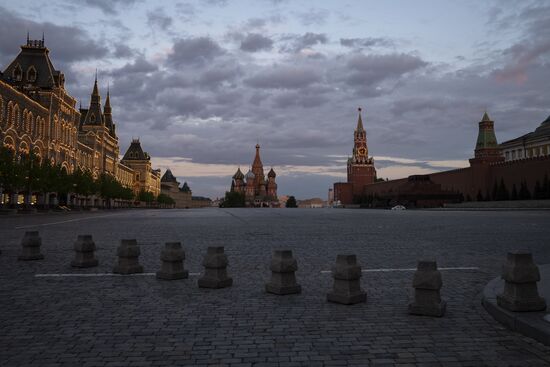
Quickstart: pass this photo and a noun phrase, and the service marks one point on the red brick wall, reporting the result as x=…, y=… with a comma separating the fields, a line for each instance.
x=482, y=177
x=343, y=191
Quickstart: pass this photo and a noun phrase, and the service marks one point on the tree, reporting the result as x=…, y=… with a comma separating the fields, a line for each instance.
x=495, y=192
x=165, y=199
x=514, y=192
x=233, y=199
x=8, y=170
x=146, y=196
x=291, y=202
x=479, y=196
x=538, y=193
x=502, y=192
x=524, y=193
x=546, y=187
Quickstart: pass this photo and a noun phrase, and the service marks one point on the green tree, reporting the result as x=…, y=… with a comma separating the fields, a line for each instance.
x=146, y=196
x=538, y=193
x=165, y=199
x=479, y=196
x=514, y=192
x=524, y=193
x=291, y=202
x=233, y=200
x=495, y=192
x=502, y=192
x=546, y=187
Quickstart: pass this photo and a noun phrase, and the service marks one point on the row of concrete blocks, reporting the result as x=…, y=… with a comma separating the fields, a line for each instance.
x=520, y=274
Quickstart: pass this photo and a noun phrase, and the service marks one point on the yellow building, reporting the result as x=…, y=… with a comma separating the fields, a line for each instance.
x=38, y=115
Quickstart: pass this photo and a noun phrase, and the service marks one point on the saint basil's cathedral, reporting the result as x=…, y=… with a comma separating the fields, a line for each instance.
x=258, y=191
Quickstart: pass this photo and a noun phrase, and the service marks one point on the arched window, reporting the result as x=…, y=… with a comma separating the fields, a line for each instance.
x=23, y=120
x=17, y=73
x=16, y=116
x=28, y=124
x=9, y=112
x=31, y=74
x=36, y=126
x=92, y=118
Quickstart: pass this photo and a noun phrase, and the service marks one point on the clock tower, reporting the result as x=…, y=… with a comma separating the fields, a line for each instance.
x=361, y=169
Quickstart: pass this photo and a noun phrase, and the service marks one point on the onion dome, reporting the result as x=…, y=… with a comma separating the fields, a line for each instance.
x=249, y=176
x=271, y=173
x=238, y=175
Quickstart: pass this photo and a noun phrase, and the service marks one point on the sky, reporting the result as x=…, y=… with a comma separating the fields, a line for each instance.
x=201, y=82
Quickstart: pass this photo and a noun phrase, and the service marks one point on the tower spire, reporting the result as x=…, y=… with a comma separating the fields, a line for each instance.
x=486, y=150
x=359, y=121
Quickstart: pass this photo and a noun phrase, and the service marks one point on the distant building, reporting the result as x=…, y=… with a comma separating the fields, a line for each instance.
x=183, y=196
x=258, y=191
x=330, y=200
x=311, y=203
x=533, y=144
x=171, y=187
x=145, y=178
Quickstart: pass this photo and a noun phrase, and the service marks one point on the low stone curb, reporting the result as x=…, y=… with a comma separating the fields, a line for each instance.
x=531, y=324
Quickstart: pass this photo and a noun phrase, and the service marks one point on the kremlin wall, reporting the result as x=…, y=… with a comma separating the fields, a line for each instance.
x=490, y=170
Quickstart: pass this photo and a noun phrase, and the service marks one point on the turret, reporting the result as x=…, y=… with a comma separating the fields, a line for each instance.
x=108, y=117
x=237, y=184
x=94, y=115
x=487, y=149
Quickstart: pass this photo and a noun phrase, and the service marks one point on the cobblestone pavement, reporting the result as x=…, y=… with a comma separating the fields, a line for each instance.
x=142, y=321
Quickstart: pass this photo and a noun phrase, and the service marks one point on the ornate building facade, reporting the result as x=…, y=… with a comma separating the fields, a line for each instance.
x=258, y=190
x=38, y=115
x=530, y=145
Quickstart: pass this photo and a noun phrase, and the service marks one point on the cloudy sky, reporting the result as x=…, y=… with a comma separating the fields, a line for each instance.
x=200, y=82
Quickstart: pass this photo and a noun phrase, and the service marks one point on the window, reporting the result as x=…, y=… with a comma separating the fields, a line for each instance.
x=507, y=156
x=17, y=73
x=31, y=74
x=92, y=118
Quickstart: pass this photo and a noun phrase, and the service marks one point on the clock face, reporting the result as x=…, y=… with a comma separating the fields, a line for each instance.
x=362, y=151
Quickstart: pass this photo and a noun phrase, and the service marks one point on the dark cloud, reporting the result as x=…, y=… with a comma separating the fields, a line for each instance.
x=216, y=2
x=366, y=42
x=139, y=66
x=70, y=43
x=194, y=51
x=157, y=19
x=110, y=7
x=534, y=46
x=307, y=40
x=371, y=69
x=254, y=42
x=218, y=75
x=284, y=77
x=123, y=51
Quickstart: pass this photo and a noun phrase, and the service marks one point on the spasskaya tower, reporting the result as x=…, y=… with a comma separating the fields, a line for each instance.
x=361, y=169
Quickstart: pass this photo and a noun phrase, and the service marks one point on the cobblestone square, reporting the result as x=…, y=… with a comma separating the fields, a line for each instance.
x=138, y=320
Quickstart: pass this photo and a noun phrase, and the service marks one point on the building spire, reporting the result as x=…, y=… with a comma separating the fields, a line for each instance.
x=359, y=121
x=95, y=92
x=486, y=117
